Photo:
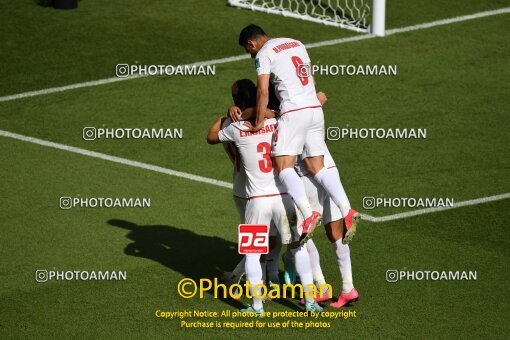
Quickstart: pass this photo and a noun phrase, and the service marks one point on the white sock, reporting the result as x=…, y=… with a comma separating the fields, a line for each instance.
x=304, y=270
x=239, y=269
x=315, y=262
x=296, y=189
x=330, y=180
x=253, y=271
x=272, y=262
x=343, y=257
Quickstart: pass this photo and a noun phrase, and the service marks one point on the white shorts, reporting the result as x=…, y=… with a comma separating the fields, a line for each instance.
x=320, y=200
x=278, y=209
x=240, y=204
x=300, y=132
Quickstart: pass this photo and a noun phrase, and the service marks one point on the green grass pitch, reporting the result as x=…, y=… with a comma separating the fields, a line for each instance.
x=452, y=80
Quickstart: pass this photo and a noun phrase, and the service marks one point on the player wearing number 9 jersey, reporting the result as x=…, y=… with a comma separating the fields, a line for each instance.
x=285, y=63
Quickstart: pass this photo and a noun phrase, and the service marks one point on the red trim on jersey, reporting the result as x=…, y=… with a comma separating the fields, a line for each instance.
x=270, y=195
x=301, y=108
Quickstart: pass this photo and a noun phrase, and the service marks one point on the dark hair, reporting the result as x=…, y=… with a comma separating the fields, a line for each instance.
x=244, y=93
x=250, y=32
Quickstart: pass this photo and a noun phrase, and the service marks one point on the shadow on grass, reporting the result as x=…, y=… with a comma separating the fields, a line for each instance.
x=194, y=256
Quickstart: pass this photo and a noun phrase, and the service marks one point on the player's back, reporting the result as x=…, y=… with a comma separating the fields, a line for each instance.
x=255, y=151
x=288, y=63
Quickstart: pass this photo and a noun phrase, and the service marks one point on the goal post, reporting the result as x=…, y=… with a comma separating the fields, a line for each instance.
x=364, y=16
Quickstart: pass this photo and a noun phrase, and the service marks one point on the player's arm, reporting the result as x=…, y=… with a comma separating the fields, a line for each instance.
x=321, y=96
x=262, y=100
x=214, y=132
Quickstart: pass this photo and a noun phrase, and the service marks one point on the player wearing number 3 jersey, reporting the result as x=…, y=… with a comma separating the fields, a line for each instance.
x=267, y=200
x=300, y=130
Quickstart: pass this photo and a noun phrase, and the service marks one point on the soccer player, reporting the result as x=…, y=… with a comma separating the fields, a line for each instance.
x=271, y=260
x=285, y=62
x=267, y=201
x=239, y=196
x=321, y=202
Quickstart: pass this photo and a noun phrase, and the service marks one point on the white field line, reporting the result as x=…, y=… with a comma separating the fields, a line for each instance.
x=111, y=80
x=115, y=159
x=433, y=210
x=225, y=184
x=246, y=56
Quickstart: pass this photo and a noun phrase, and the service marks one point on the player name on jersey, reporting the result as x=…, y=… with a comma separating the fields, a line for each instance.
x=266, y=129
x=285, y=46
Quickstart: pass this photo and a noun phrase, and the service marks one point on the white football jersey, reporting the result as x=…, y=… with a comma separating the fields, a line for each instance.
x=239, y=175
x=288, y=64
x=255, y=150
x=300, y=166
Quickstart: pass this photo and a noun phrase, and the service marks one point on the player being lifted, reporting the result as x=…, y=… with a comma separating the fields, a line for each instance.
x=267, y=200
x=300, y=128
x=332, y=219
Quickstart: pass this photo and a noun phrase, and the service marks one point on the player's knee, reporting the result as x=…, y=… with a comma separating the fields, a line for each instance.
x=334, y=230
x=314, y=164
x=281, y=163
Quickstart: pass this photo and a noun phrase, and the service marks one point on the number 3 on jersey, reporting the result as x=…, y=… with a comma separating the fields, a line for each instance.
x=265, y=164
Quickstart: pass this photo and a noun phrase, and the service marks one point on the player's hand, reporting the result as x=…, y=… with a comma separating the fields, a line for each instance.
x=258, y=126
x=234, y=113
x=322, y=97
x=247, y=125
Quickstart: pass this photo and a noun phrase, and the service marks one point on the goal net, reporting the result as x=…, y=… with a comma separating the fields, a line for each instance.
x=349, y=14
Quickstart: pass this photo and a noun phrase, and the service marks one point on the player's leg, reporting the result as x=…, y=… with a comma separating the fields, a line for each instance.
x=313, y=198
x=288, y=142
x=316, y=197
x=318, y=277
x=350, y=216
x=269, y=262
x=257, y=212
x=284, y=167
x=312, y=192
x=334, y=231
x=329, y=179
x=285, y=217
x=254, y=277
